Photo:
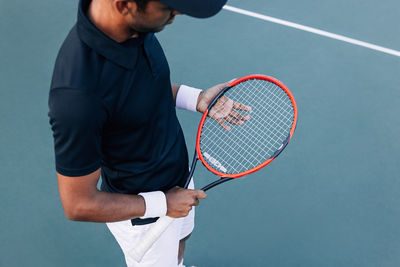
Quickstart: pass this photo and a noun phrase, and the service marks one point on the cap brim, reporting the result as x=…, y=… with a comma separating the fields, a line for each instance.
x=196, y=8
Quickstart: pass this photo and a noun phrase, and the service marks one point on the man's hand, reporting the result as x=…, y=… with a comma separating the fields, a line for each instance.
x=180, y=201
x=224, y=109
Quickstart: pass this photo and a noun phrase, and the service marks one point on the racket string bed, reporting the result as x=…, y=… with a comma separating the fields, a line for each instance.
x=258, y=120
x=247, y=146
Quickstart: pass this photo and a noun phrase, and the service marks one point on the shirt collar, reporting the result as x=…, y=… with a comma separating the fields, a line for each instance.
x=124, y=54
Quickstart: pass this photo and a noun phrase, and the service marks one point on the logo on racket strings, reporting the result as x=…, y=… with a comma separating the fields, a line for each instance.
x=214, y=162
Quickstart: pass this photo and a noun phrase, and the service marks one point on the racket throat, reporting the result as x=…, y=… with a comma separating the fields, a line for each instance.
x=220, y=181
x=191, y=170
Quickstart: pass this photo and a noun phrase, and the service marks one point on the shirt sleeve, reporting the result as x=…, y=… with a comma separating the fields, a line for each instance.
x=76, y=119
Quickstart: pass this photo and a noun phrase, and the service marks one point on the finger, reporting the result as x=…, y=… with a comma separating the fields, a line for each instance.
x=196, y=202
x=200, y=194
x=196, y=193
x=223, y=124
x=233, y=120
x=239, y=116
x=240, y=106
x=187, y=210
x=231, y=81
x=223, y=85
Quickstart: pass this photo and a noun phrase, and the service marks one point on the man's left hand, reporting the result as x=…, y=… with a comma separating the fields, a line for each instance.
x=224, y=110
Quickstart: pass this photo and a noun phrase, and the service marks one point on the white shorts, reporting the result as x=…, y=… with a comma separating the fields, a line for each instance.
x=164, y=252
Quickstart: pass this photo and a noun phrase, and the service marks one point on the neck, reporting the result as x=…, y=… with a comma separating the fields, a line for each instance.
x=101, y=15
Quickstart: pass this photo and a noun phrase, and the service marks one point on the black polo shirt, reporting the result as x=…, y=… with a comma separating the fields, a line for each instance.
x=111, y=106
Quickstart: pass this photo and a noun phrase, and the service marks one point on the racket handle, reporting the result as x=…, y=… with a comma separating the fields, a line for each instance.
x=150, y=237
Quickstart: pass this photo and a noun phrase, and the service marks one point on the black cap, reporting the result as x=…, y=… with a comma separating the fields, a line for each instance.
x=196, y=8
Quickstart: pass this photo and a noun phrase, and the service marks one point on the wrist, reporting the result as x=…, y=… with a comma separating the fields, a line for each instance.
x=187, y=97
x=198, y=108
x=156, y=204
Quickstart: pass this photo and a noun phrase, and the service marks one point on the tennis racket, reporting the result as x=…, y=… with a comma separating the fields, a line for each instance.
x=245, y=127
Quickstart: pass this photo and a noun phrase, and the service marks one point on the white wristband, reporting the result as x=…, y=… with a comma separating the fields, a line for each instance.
x=156, y=204
x=186, y=97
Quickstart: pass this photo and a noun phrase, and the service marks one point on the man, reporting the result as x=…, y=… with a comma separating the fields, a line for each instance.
x=112, y=112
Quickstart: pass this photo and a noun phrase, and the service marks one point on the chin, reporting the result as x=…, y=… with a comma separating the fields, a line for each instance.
x=158, y=29
x=149, y=29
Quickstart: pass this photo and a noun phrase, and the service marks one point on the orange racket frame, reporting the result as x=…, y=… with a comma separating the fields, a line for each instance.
x=265, y=163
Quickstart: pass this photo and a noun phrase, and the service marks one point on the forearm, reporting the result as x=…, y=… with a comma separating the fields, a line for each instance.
x=82, y=201
x=108, y=207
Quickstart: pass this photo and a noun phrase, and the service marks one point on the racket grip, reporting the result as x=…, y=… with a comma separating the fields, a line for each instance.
x=150, y=237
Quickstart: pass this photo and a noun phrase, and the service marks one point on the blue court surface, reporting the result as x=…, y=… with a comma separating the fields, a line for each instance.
x=332, y=198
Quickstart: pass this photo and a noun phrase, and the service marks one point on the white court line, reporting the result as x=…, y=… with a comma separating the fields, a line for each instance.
x=314, y=30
